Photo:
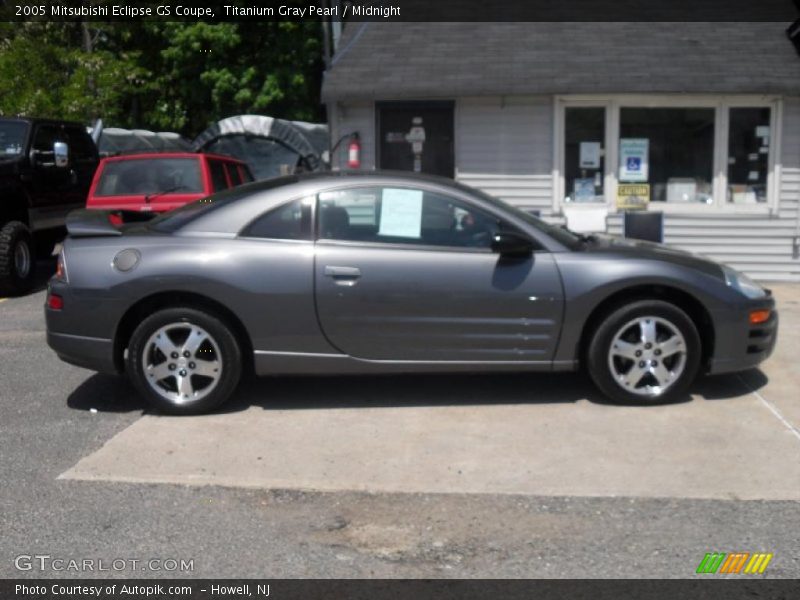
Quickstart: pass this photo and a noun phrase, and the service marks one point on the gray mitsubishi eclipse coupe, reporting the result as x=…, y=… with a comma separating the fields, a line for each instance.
x=385, y=273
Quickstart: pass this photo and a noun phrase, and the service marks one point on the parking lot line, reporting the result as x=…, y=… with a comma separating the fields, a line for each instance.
x=772, y=408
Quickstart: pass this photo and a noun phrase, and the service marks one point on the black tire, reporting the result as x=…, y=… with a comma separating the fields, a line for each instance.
x=16, y=278
x=599, y=352
x=223, y=343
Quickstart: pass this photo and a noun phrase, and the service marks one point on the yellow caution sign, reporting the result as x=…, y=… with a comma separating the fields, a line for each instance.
x=633, y=196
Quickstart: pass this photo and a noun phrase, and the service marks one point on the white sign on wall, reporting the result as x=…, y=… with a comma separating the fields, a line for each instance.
x=633, y=159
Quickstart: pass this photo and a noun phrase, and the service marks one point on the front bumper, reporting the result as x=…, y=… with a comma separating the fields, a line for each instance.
x=739, y=345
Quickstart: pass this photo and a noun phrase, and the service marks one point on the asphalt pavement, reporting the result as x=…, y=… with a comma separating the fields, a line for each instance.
x=412, y=476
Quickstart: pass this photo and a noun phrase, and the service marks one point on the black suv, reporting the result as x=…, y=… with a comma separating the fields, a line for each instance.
x=46, y=168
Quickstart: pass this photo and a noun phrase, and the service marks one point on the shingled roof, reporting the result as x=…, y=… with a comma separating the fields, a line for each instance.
x=437, y=60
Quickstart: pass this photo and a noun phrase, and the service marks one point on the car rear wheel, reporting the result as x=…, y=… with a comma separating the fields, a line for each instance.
x=17, y=258
x=646, y=352
x=184, y=361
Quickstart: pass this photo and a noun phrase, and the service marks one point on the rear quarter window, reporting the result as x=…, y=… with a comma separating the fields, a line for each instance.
x=233, y=174
x=150, y=176
x=219, y=181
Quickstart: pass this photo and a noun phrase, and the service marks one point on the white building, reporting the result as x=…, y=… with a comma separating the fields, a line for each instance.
x=576, y=120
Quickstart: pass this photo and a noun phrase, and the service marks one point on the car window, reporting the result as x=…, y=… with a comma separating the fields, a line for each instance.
x=401, y=215
x=233, y=174
x=81, y=146
x=218, y=180
x=150, y=176
x=12, y=137
x=244, y=173
x=291, y=221
x=45, y=137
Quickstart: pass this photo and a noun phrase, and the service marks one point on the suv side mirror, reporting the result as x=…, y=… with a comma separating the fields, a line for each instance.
x=61, y=154
x=509, y=243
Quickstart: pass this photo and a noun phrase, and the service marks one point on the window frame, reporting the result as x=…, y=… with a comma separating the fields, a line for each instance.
x=721, y=105
x=463, y=199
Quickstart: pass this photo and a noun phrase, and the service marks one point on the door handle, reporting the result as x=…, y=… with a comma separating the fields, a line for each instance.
x=342, y=272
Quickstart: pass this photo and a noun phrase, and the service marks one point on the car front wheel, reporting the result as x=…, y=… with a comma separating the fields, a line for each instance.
x=645, y=352
x=184, y=361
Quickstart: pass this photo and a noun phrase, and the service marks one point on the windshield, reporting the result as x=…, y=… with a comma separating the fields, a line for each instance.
x=12, y=138
x=148, y=176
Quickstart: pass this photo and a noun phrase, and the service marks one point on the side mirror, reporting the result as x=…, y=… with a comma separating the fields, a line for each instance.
x=509, y=243
x=61, y=154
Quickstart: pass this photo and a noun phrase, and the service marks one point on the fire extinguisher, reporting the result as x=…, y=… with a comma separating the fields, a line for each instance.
x=354, y=152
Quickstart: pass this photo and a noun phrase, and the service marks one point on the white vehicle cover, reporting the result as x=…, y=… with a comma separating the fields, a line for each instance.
x=114, y=140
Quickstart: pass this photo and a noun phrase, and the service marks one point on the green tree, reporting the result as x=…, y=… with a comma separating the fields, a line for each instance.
x=160, y=75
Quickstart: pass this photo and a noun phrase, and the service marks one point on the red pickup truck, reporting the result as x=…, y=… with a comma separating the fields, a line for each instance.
x=160, y=182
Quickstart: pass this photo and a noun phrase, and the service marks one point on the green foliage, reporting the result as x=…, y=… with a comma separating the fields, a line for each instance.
x=160, y=75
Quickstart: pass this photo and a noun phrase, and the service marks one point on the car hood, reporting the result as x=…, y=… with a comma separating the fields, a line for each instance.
x=609, y=244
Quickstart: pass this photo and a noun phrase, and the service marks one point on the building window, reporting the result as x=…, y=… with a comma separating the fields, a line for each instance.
x=584, y=158
x=669, y=153
x=669, y=149
x=748, y=155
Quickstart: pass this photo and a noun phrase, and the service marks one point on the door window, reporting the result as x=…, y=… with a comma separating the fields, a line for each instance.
x=43, y=140
x=400, y=215
x=81, y=147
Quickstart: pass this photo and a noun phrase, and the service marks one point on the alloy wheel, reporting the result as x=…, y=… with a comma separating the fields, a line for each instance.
x=647, y=356
x=182, y=362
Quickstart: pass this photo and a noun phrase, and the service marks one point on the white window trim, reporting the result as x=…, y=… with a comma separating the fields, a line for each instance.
x=721, y=104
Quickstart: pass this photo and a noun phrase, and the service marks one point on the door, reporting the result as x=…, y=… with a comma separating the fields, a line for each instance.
x=407, y=274
x=51, y=186
x=83, y=163
x=416, y=136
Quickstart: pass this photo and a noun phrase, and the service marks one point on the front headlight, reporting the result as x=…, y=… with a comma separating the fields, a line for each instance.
x=742, y=283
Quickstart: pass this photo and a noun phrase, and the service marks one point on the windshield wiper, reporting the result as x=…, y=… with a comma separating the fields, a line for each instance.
x=149, y=197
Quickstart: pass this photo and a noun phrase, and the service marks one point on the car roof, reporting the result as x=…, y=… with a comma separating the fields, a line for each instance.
x=339, y=177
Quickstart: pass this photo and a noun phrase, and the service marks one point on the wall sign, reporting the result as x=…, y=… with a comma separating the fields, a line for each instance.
x=633, y=196
x=633, y=159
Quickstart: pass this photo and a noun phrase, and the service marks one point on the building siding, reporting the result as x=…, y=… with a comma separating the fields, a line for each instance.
x=504, y=146
x=349, y=118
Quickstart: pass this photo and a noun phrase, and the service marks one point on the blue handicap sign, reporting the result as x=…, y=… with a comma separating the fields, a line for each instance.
x=634, y=163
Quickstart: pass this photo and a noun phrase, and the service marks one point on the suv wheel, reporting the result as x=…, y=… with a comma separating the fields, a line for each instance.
x=646, y=352
x=184, y=361
x=17, y=258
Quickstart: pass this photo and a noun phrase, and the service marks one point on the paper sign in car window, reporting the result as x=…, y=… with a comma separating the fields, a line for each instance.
x=401, y=213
